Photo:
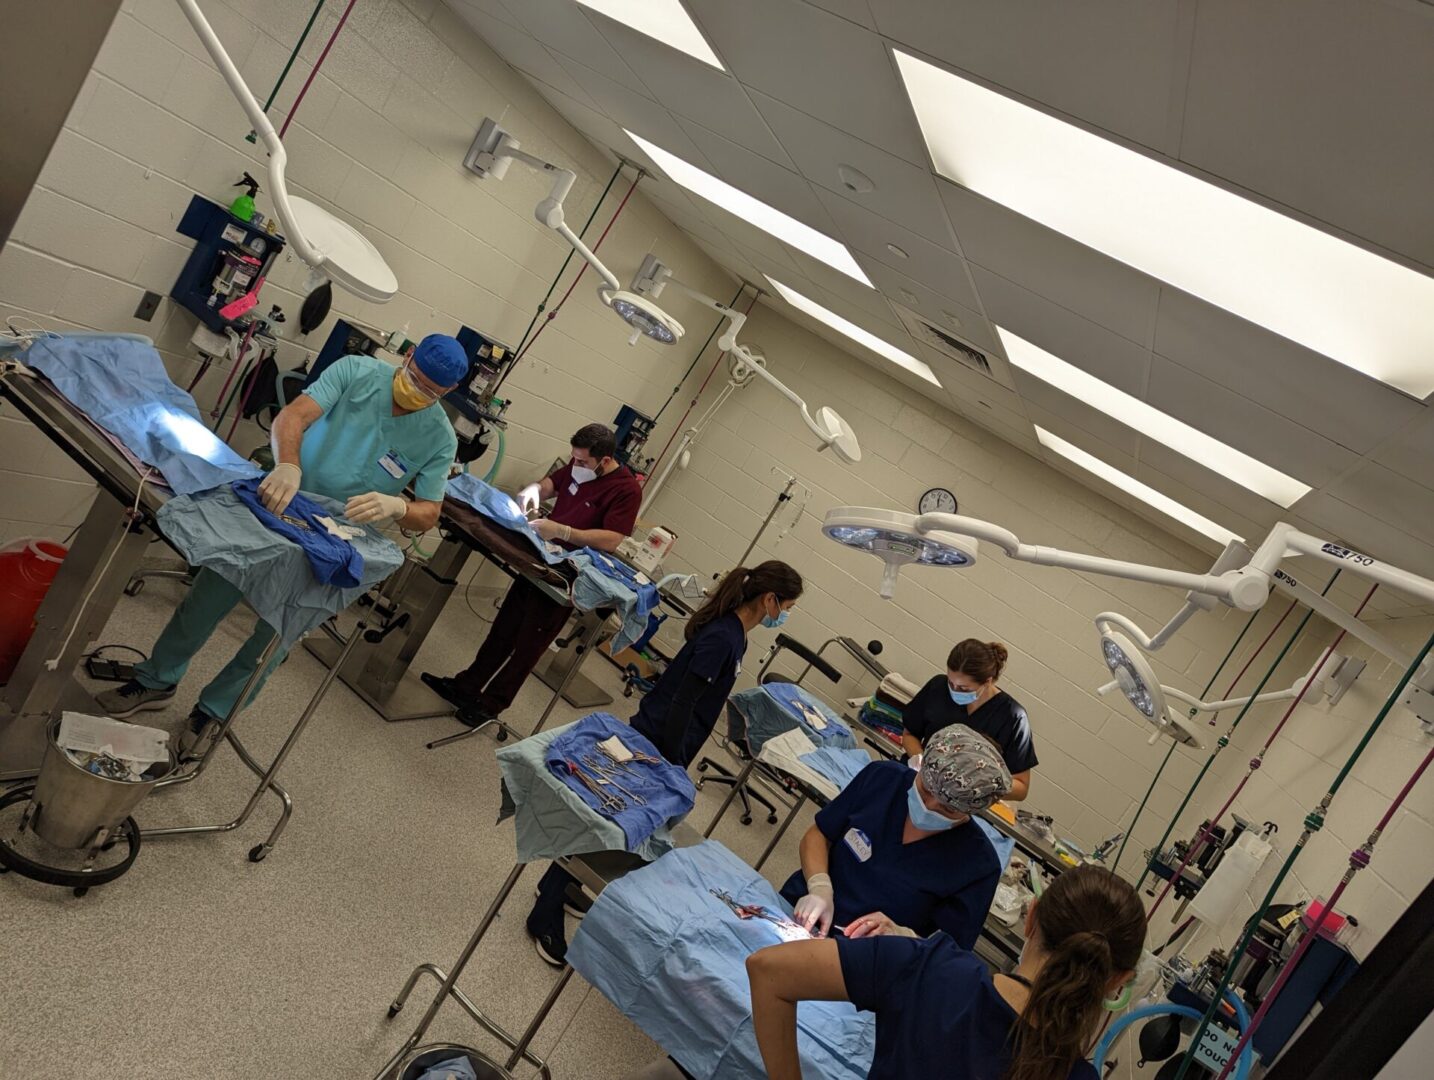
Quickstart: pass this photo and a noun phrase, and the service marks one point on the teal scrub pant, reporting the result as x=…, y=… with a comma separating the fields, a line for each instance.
x=210, y=599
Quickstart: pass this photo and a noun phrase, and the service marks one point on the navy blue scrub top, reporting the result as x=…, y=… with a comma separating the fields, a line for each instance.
x=941, y=882
x=715, y=654
x=937, y=1012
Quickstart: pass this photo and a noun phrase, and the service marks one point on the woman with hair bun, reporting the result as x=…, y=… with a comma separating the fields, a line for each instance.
x=968, y=694
x=939, y=1010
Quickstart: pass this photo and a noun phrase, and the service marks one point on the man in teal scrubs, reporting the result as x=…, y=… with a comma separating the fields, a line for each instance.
x=362, y=433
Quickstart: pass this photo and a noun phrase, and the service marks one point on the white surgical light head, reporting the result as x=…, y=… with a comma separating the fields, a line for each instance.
x=892, y=537
x=1136, y=681
x=835, y=433
x=493, y=150
x=331, y=246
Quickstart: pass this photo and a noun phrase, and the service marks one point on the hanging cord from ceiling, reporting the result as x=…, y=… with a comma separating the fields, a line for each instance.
x=1259, y=759
x=543, y=303
x=293, y=55
x=1314, y=821
x=712, y=371
x=1224, y=739
x=715, y=327
x=293, y=111
x=553, y=314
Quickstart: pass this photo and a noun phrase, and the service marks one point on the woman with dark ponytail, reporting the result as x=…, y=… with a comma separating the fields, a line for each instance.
x=939, y=1011
x=679, y=713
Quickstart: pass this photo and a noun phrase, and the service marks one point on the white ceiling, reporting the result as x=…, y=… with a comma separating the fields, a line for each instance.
x=1318, y=108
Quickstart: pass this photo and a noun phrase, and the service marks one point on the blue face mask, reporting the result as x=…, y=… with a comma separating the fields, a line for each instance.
x=771, y=623
x=924, y=818
x=963, y=697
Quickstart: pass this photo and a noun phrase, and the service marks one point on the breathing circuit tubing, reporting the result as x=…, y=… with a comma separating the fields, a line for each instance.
x=1243, y=1059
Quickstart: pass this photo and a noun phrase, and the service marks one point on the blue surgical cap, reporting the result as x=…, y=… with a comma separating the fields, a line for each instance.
x=441, y=358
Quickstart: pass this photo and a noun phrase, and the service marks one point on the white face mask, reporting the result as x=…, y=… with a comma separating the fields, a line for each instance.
x=582, y=474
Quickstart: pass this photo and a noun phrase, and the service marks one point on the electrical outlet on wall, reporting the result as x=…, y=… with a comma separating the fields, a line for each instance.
x=148, y=305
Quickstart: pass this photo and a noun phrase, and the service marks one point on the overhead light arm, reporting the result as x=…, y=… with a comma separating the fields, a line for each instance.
x=653, y=276
x=1297, y=690
x=321, y=240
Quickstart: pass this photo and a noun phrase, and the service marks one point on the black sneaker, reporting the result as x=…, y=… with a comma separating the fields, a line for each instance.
x=550, y=945
x=445, y=687
x=131, y=698
x=576, y=901
x=474, y=717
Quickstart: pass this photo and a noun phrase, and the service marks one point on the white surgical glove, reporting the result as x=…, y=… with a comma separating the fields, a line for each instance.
x=375, y=506
x=277, y=490
x=815, y=910
x=530, y=498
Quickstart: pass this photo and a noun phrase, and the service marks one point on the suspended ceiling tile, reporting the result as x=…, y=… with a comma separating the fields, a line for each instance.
x=1108, y=62
x=815, y=62
x=856, y=11
x=842, y=294
x=1385, y=494
x=1411, y=452
x=968, y=385
x=526, y=53
x=1189, y=482
x=941, y=269
x=1349, y=525
x=492, y=8
x=903, y=192
x=1244, y=424
x=599, y=129
x=971, y=326
x=1059, y=331
x=1052, y=409
x=760, y=178
x=1040, y=259
x=1324, y=106
x=689, y=88
x=562, y=25
x=1347, y=407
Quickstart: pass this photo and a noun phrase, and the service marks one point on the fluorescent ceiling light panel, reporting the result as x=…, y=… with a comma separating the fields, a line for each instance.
x=856, y=333
x=1131, y=486
x=1152, y=423
x=767, y=218
x=665, y=20
x=1353, y=306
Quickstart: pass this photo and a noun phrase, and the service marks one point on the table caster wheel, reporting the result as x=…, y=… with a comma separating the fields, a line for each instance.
x=702, y=766
x=393, y=1010
x=81, y=890
x=746, y=819
x=257, y=853
x=771, y=819
x=135, y=587
x=502, y=734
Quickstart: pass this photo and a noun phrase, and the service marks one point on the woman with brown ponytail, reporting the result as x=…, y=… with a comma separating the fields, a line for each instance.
x=678, y=714
x=941, y=1015
x=968, y=694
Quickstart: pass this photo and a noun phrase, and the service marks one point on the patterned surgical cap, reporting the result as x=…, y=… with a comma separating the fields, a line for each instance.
x=964, y=769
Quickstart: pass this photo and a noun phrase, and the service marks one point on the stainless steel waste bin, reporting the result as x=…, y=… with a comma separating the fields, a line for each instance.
x=426, y=1057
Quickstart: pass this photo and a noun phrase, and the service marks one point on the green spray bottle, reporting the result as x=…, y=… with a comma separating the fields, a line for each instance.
x=243, y=206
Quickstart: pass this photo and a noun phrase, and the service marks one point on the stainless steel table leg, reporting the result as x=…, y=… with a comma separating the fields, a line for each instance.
x=538, y=1018
x=266, y=776
x=587, y=646
x=737, y=783
x=444, y=991
x=781, y=829
x=465, y=1003
x=460, y=736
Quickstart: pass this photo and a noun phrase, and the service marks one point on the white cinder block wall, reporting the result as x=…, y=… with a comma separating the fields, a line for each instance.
x=380, y=139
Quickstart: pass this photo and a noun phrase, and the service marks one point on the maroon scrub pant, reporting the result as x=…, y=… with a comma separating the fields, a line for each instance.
x=525, y=626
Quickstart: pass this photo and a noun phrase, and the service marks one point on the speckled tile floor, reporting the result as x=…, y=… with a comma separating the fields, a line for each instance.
x=198, y=963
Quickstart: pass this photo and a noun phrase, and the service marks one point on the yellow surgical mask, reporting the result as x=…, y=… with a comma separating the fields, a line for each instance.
x=407, y=394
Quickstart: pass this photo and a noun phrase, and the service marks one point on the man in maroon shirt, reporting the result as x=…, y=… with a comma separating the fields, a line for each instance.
x=596, y=506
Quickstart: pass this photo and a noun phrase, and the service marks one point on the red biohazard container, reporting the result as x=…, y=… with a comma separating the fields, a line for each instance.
x=27, y=567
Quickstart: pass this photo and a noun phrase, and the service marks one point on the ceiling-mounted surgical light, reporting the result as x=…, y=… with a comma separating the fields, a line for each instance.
x=827, y=425
x=887, y=535
x=493, y=150
x=331, y=246
x=1136, y=680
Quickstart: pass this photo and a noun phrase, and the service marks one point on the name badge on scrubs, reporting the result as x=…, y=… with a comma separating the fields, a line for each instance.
x=393, y=465
x=859, y=844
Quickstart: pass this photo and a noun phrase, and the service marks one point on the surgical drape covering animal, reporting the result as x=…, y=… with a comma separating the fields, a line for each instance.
x=671, y=956
x=120, y=384
x=501, y=508
x=335, y=561
x=216, y=530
